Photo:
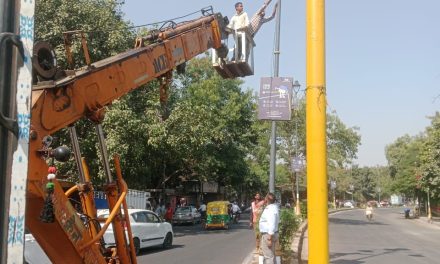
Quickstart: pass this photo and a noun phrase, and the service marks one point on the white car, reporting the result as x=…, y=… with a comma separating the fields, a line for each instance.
x=350, y=204
x=147, y=229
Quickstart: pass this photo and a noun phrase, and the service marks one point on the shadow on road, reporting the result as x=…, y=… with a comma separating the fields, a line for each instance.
x=361, y=255
x=185, y=230
x=341, y=221
x=152, y=250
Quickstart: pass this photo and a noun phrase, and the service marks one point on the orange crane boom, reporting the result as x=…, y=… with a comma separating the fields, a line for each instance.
x=57, y=104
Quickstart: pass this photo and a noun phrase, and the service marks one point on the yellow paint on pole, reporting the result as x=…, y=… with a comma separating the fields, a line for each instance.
x=317, y=211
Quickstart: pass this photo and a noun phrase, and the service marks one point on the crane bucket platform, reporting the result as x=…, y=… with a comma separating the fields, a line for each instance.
x=242, y=62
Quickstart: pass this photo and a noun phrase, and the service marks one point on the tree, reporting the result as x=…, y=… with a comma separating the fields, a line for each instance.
x=342, y=146
x=429, y=171
x=342, y=142
x=364, y=182
x=102, y=21
x=403, y=159
x=206, y=136
x=107, y=34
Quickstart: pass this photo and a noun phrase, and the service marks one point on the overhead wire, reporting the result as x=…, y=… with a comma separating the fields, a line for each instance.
x=208, y=10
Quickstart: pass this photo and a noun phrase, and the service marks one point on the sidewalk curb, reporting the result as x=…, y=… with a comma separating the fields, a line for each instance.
x=297, y=242
x=300, y=239
x=249, y=258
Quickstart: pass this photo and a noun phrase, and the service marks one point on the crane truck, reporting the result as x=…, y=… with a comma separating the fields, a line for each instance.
x=61, y=98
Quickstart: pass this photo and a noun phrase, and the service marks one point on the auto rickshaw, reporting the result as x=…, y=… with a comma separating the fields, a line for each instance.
x=217, y=215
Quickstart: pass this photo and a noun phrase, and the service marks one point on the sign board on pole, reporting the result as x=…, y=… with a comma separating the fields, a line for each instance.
x=274, y=101
x=297, y=164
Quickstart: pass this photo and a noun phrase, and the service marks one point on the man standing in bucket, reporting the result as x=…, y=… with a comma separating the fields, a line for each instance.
x=239, y=21
x=268, y=224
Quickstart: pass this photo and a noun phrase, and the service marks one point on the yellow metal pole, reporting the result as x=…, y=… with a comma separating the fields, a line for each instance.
x=317, y=192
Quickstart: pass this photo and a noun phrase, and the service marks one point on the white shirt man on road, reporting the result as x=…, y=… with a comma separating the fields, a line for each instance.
x=235, y=208
x=268, y=225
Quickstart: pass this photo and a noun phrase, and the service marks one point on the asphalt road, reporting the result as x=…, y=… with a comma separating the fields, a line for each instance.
x=389, y=238
x=192, y=245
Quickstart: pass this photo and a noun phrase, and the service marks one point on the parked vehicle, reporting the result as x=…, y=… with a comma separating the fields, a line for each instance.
x=374, y=203
x=218, y=215
x=186, y=214
x=147, y=228
x=135, y=199
x=384, y=203
x=350, y=204
x=396, y=199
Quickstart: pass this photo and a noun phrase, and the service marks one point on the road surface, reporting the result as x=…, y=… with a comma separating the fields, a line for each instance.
x=192, y=245
x=389, y=238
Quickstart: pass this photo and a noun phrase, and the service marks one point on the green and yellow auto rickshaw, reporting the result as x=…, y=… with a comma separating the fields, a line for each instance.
x=217, y=215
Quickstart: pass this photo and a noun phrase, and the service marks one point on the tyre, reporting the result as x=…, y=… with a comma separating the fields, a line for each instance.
x=137, y=245
x=168, y=241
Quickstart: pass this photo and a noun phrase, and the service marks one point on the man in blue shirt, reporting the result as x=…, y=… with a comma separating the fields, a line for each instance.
x=268, y=225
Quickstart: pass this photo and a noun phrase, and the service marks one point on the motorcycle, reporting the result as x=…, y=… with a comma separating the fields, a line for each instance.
x=236, y=217
x=406, y=211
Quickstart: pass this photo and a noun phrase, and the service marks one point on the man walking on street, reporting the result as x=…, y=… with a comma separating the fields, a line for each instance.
x=256, y=209
x=202, y=210
x=269, y=229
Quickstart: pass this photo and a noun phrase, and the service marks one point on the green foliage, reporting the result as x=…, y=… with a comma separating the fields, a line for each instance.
x=403, y=159
x=414, y=162
x=303, y=207
x=342, y=142
x=287, y=228
x=364, y=182
x=107, y=33
x=342, y=146
x=206, y=136
x=428, y=173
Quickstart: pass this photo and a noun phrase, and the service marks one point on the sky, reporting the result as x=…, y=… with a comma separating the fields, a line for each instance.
x=382, y=59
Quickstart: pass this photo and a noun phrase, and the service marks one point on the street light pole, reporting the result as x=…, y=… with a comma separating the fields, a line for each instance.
x=378, y=190
x=352, y=191
x=273, y=142
x=295, y=105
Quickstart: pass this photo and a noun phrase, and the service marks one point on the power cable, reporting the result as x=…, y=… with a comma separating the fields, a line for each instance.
x=206, y=11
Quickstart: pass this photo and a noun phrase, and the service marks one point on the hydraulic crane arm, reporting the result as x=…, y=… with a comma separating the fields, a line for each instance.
x=57, y=104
